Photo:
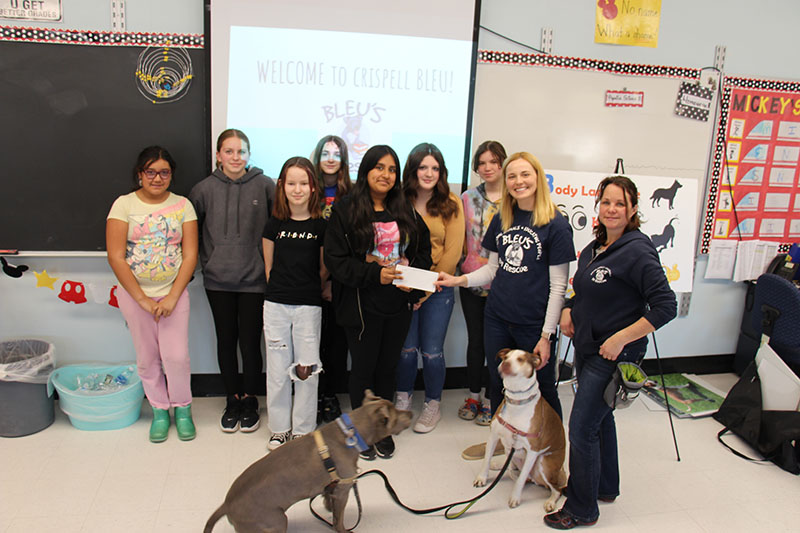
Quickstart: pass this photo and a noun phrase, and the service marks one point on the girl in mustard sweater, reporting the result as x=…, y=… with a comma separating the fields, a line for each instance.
x=425, y=185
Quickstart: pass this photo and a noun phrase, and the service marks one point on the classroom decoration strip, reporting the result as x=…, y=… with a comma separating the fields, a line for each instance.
x=100, y=38
x=754, y=190
x=581, y=63
x=69, y=291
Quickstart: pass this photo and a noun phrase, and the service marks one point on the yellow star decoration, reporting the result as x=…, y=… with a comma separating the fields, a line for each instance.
x=43, y=279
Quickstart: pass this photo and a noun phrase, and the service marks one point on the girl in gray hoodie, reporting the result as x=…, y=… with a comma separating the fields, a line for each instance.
x=232, y=206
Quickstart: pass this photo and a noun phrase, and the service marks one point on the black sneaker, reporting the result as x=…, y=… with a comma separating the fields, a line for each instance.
x=385, y=447
x=248, y=420
x=368, y=454
x=330, y=409
x=230, y=418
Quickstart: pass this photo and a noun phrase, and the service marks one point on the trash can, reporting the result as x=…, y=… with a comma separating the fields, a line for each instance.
x=25, y=406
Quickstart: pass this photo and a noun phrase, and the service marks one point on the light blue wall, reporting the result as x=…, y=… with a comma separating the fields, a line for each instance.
x=760, y=40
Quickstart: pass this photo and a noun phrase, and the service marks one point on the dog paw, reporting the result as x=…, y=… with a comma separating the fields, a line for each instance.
x=549, y=506
x=480, y=481
x=513, y=502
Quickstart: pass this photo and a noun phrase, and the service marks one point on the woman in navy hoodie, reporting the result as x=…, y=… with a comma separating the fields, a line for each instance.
x=621, y=295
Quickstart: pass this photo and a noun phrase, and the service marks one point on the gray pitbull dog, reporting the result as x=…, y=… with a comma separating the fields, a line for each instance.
x=258, y=499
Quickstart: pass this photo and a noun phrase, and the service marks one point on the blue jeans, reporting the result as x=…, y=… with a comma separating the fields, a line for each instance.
x=499, y=334
x=426, y=337
x=593, y=456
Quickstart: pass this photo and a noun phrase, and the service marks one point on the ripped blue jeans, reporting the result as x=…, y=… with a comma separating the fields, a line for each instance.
x=426, y=338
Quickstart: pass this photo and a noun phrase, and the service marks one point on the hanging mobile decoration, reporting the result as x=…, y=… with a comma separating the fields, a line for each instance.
x=163, y=73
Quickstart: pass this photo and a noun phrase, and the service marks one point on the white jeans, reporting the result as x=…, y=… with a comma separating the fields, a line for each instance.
x=292, y=335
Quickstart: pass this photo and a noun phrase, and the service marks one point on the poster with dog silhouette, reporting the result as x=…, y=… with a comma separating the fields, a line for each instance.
x=667, y=205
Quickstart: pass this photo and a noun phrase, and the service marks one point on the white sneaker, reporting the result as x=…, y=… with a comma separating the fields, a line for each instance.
x=403, y=402
x=278, y=439
x=429, y=418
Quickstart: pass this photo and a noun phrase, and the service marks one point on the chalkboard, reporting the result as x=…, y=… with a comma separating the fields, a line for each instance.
x=72, y=122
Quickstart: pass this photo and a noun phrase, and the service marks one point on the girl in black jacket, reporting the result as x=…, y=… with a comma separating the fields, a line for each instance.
x=370, y=231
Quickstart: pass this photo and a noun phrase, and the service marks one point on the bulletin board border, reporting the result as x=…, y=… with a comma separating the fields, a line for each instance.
x=581, y=63
x=728, y=85
x=100, y=38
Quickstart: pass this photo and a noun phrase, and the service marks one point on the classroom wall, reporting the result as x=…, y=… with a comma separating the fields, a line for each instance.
x=756, y=37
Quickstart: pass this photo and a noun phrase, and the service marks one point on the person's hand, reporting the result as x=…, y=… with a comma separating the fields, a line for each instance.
x=566, y=325
x=389, y=274
x=303, y=371
x=167, y=305
x=417, y=306
x=149, y=305
x=327, y=291
x=611, y=348
x=447, y=280
x=542, y=349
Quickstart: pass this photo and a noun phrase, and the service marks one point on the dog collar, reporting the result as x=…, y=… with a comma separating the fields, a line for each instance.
x=514, y=401
x=351, y=436
x=515, y=431
x=522, y=391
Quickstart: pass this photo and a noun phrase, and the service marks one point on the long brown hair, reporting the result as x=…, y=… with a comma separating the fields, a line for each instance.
x=630, y=192
x=281, y=209
x=440, y=202
x=343, y=183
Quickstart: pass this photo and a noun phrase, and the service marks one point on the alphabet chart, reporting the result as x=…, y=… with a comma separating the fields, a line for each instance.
x=755, y=187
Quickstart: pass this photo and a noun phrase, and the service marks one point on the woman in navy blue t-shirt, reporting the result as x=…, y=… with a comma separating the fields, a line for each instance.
x=530, y=247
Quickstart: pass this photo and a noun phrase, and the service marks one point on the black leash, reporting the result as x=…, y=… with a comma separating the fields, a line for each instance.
x=447, y=507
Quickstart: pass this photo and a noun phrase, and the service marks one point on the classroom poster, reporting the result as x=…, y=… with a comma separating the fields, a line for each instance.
x=629, y=22
x=667, y=205
x=757, y=194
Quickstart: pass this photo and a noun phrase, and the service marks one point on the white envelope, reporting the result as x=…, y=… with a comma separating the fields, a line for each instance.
x=416, y=278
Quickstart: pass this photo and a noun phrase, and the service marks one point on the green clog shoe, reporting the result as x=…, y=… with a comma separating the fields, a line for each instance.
x=159, y=428
x=184, y=423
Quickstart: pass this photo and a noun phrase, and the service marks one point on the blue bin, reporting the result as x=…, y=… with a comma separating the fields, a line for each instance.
x=94, y=412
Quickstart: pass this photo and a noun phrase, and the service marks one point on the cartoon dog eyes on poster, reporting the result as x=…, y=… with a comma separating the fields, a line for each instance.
x=576, y=216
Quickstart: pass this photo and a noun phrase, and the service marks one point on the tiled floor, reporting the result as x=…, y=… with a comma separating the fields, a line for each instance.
x=66, y=480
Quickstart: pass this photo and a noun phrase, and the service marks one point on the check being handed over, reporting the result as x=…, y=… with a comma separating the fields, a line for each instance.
x=416, y=278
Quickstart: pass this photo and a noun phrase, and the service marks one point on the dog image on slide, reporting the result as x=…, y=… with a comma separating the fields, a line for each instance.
x=526, y=422
x=665, y=194
x=258, y=499
x=666, y=237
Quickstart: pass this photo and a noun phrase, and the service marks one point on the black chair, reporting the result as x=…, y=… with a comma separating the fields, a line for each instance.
x=776, y=314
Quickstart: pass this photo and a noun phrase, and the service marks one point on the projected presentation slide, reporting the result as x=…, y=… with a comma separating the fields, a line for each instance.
x=287, y=88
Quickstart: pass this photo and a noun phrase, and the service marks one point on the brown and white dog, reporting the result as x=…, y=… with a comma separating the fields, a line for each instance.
x=258, y=499
x=526, y=422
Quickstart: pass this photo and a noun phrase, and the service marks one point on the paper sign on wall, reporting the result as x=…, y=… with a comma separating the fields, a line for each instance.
x=624, y=98
x=630, y=22
x=694, y=101
x=31, y=9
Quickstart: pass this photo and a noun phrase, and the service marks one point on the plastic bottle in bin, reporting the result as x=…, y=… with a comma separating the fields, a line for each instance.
x=125, y=376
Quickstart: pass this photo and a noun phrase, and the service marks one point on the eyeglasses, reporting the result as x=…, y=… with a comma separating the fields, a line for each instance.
x=151, y=174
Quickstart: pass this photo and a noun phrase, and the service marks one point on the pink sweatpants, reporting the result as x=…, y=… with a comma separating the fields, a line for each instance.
x=162, y=348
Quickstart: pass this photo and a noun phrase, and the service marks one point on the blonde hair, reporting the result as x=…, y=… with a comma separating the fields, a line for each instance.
x=544, y=210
